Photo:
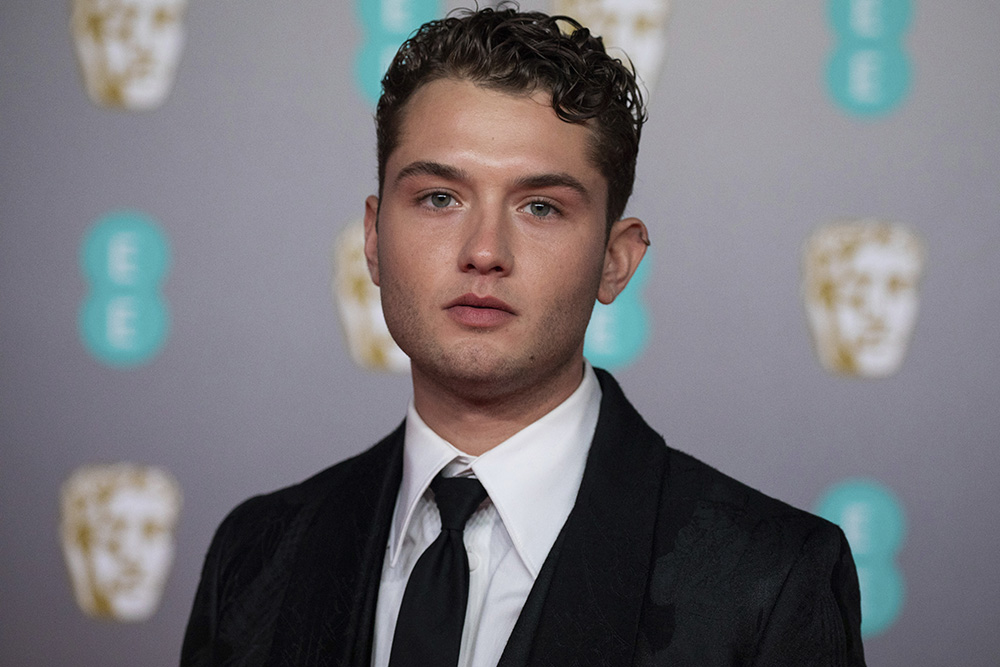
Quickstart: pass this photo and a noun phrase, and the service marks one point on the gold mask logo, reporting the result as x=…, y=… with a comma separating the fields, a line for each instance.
x=638, y=27
x=860, y=284
x=117, y=531
x=128, y=50
x=359, y=304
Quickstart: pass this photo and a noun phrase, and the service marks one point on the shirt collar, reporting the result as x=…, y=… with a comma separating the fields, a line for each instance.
x=540, y=466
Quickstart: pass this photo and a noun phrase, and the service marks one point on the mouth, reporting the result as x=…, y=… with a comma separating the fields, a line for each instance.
x=470, y=300
x=872, y=340
x=480, y=311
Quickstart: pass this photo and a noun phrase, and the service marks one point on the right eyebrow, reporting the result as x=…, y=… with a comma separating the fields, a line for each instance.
x=427, y=168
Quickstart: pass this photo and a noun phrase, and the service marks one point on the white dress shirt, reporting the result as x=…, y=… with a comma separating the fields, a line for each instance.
x=532, y=479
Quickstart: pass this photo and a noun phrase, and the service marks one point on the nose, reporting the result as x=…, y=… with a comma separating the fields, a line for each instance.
x=487, y=244
x=876, y=300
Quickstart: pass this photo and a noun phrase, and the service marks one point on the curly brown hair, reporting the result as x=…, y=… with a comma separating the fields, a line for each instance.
x=520, y=52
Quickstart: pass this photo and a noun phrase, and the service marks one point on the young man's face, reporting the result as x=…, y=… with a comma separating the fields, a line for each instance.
x=490, y=245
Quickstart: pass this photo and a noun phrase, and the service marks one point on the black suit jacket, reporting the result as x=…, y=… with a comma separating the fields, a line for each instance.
x=662, y=561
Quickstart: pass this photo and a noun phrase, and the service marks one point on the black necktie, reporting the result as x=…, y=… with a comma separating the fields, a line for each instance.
x=431, y=616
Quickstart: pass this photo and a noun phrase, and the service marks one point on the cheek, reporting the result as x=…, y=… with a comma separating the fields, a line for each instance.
x=569, y=282
x=107, y=566
x=847, y=317
x=403, y=285
x=901, y=311
x=415, y=261
x=400, y=269
x=165, y=43
x=157, y=554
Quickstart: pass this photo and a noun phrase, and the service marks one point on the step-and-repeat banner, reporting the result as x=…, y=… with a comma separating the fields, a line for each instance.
x=186, y=313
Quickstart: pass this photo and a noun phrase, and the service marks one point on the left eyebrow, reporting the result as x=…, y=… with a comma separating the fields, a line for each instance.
x=554, y=180
x=426, y=168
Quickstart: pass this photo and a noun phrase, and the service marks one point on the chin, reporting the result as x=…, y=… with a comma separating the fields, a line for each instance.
x=478, y=371
x=475, y=366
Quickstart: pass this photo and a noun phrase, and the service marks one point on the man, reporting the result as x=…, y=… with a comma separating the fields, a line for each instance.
x=506, y=156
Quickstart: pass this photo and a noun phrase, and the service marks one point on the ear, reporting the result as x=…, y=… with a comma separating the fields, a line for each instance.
x=626, y=247
x=371, y=236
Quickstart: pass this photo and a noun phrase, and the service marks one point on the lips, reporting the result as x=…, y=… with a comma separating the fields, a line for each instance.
x=472, y=301
x=476, y=311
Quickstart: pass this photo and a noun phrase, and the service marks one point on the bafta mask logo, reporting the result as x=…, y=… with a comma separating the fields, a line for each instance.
x=117, y=535
x=359, y=304
x=638, y=27
x=128, y=49
x=860, y=282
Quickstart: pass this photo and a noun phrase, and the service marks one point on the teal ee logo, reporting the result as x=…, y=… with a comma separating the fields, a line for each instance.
x=873, y=521
x=386, y=24
x=124, y=259
x=869, y=72
x=618, y=332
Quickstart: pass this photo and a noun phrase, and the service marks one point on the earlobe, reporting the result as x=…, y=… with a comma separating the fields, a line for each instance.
x=371, y=237
x=626, y=247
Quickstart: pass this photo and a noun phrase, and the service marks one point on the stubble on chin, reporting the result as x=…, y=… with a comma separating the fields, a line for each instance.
x=470, y=368
x=479, y=370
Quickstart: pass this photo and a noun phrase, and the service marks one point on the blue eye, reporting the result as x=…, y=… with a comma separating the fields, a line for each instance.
x=540, y=209
x=440, y=200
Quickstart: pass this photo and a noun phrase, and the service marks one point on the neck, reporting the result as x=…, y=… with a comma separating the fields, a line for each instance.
x=477, y=420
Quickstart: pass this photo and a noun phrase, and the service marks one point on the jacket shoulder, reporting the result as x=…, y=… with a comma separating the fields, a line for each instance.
x=768, y=583
x=254, y=552
x=262, y=519
x=693, y=482
x=706, y=511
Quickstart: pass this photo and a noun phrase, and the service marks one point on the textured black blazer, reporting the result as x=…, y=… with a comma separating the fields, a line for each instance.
x=662, y=561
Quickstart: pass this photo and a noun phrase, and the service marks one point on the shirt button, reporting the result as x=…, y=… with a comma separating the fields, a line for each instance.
x=473, y=561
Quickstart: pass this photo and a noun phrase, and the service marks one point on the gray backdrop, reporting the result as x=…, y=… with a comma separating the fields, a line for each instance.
x=266, y=148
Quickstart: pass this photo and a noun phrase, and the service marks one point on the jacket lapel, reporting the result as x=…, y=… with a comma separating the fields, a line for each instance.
x=327, y=615
x=586, y=603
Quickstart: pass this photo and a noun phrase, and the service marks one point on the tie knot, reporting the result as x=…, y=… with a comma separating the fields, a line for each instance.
x=457, y=498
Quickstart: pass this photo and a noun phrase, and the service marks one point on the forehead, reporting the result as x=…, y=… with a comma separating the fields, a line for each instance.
x=886, y=251
x=463, y=119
